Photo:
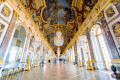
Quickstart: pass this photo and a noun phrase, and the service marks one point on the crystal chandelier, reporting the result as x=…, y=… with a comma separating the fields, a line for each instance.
x=36, y=42
x=58, y=39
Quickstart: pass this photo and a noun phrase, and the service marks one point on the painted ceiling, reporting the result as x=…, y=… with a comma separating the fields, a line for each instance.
x=60, y=12
x=63, y=15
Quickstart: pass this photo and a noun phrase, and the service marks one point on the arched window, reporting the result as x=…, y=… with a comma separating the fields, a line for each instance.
x=100, y=48
x=17, y=45
x=103, y=48
x=83, y=46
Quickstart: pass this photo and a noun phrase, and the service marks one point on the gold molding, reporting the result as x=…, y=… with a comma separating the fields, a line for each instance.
x=2, y=1
x=114, y=1
x=100, y=5
x=26, y=18
x=15, y=14
x=115, y=60
x=44, y=3
x=20, y=9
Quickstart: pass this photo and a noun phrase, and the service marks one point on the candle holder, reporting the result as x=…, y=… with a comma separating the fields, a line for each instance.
x=89, y=66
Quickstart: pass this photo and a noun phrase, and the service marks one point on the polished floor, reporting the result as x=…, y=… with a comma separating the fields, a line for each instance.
x=61, y=72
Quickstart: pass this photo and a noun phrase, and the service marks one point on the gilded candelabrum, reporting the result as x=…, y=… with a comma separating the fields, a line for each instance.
x=79, y=62
x=37, y=62
x=27, y=67
x=89, y=66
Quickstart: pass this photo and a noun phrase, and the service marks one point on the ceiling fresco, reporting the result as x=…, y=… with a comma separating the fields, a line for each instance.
x=63, y=15
x=60, y=12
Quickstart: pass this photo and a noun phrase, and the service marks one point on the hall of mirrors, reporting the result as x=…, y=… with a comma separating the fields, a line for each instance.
x=59, y=39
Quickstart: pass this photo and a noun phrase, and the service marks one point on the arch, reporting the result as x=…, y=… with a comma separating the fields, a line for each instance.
x=98, y=43
x=16, y=47
x=83, y=46
x=94, y=28
x=20, y=23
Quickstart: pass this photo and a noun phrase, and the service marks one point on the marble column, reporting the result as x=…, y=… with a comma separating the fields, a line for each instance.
x=81, y=49
x=75, y=52
x=5, y=43
x=90, y=49
x=79, y=54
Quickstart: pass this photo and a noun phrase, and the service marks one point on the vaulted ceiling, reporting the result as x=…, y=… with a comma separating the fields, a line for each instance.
x=63, y=15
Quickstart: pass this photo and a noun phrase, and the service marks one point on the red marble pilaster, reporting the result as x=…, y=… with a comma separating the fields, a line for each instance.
x=7, y=37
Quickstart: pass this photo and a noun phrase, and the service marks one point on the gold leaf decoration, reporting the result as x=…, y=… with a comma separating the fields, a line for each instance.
x=5, y=11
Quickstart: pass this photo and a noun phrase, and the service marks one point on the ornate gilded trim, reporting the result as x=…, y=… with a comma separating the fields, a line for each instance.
x=15, y=14
x=25, y=17
x=94, y=14
x=56, y=24
x=114, y=1
x=2, y=1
